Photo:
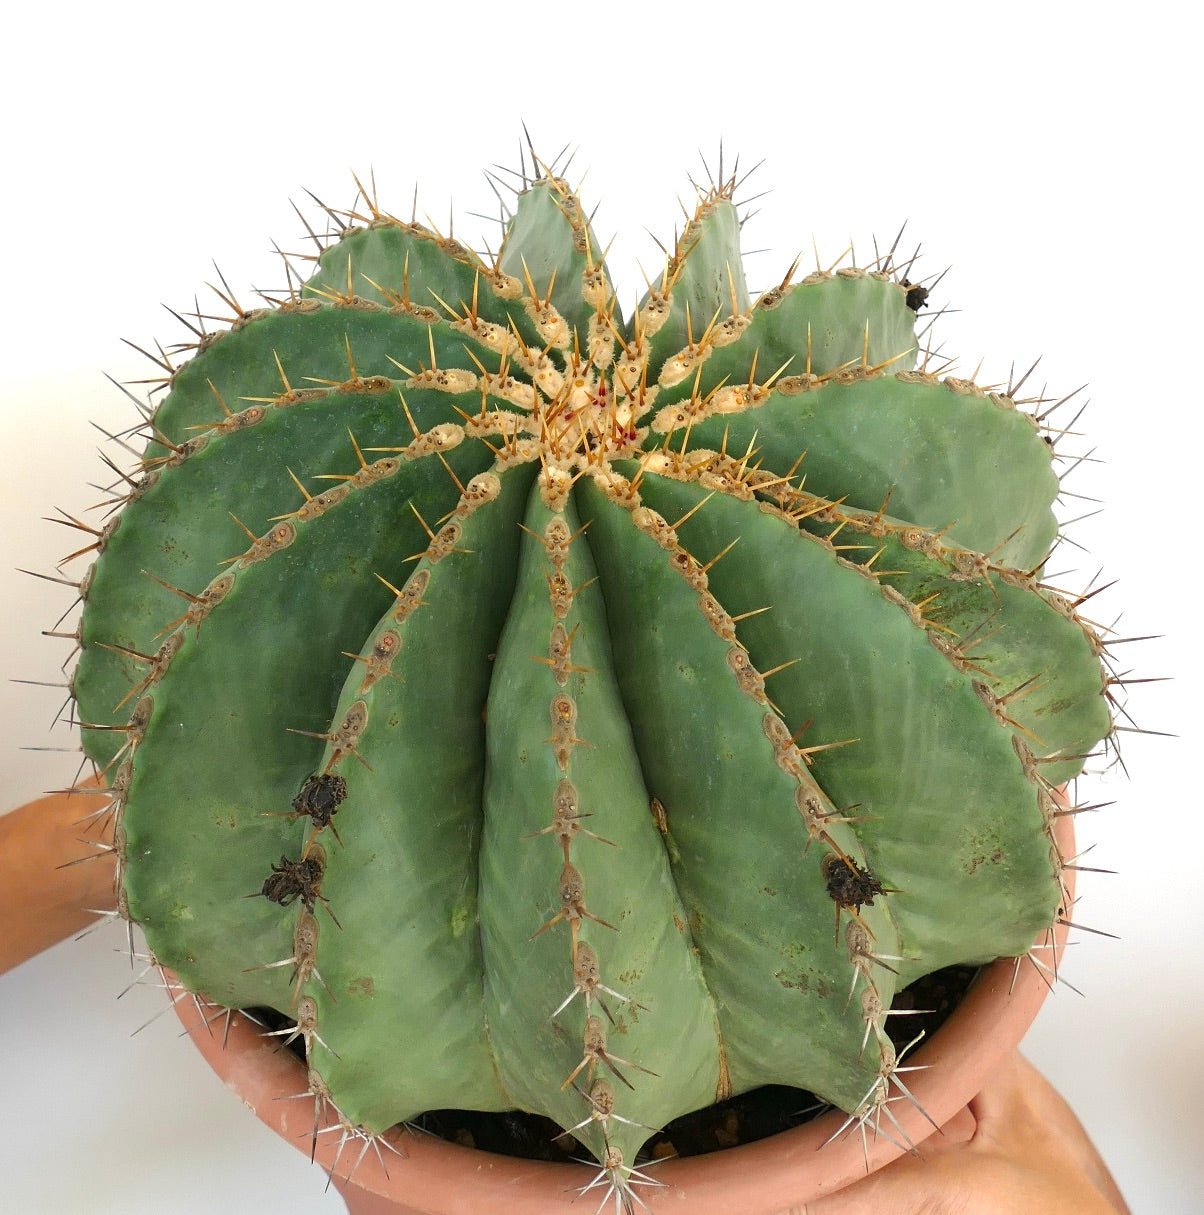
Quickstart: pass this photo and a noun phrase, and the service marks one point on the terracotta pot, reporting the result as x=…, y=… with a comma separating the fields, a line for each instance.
x=428, y=1176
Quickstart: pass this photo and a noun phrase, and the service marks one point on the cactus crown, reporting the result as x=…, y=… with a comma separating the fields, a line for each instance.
x=593, y=716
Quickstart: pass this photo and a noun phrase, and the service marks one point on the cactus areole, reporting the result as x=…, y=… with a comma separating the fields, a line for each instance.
x=586, y=715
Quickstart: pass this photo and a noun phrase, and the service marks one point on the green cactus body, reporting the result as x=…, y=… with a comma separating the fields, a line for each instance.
x=592, y=717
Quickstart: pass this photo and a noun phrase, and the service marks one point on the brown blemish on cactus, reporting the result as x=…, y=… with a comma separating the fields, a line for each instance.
x=849, y=886
x=659, y=815
x=723, y=1084
x=297, y=879
x=292, y=880
x=976, y=849
x=319, y=799
x=973, y=863
x=800, y=982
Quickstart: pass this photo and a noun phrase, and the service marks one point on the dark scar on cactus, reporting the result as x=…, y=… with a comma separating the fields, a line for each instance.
x=849, y=886
x=917, y=297
x=319, y=799
x=292, y=880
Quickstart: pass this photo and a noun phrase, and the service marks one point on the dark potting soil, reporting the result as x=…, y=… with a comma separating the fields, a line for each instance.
x=746, y=1118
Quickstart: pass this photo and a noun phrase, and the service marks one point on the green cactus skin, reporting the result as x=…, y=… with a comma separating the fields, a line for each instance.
x=593, y=717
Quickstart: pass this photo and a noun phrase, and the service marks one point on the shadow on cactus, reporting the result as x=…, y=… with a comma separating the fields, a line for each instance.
x=590, y=716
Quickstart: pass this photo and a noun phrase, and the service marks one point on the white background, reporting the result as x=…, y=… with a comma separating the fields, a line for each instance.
x=1047, y=153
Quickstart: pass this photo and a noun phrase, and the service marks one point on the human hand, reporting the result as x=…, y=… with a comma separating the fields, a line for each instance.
x=1027, y=1155
x=56, y=872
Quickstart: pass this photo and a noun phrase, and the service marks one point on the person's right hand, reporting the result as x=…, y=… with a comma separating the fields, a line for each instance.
x=1028, y=1155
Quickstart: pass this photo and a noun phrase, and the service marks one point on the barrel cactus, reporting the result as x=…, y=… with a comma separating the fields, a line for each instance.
x=586, y=715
